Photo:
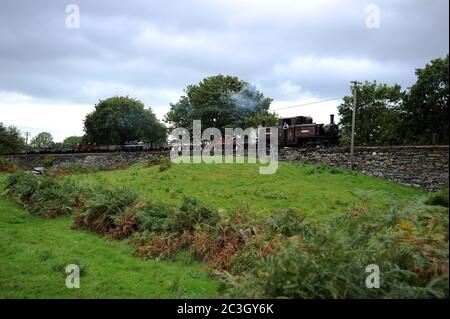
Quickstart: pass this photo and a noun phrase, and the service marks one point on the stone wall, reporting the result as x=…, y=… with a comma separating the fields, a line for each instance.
x=418, y=166
x=93, y=160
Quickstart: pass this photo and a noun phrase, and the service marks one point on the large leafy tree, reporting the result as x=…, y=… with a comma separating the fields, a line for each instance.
x=426, y=106
x=218, y=101
x=378, y=118
x=72, y=141
x=11, y=140
x=121, y=119
x=42, y=140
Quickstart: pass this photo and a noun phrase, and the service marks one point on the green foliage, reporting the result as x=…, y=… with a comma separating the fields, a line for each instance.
x=155, y=217
x=191, y=213
x=259, y=119
x=426, y=106
x=120, y=119
x=7, y=166
x=439, y=198
x=104, y=205
x=288, y=222
x=48, y=161
x=219, y=101
x=72, y=168
x=21, y=186
x=386, y=115
x=325, y=169
x=42, y=140
x=34, y=252
x=41, y=195
x=72, y=141
x=377, y=117
x=11, y=140
x=410, y=249
x=164, y=163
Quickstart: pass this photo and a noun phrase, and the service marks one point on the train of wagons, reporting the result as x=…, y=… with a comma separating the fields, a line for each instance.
x=299, y=131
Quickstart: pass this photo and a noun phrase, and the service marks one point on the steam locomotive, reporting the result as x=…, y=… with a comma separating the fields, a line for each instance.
x=302, y=131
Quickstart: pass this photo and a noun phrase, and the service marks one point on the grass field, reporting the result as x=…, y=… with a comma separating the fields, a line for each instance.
x=317, y=191
x=34, y=251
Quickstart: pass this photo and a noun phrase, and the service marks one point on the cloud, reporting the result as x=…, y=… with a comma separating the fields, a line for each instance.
x=293, y=51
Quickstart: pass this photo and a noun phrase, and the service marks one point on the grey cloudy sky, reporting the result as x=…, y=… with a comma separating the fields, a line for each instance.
x=293, y=51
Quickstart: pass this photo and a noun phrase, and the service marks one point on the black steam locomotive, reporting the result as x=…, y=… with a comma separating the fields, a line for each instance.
x=300, y=131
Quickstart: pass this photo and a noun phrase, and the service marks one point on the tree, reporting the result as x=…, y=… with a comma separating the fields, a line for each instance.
x=42, y=140
x=378, y=115
x=72, y=141
x=269, y=119
x=218, y=101
x=11, y=141
x=426, y=106
x=121, y=119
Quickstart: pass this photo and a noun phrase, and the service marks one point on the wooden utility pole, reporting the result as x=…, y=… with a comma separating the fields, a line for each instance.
x=27, y=134
x=354, y=88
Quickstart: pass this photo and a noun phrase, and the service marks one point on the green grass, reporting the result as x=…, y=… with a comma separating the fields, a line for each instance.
x=318, y=192
x=34, y=253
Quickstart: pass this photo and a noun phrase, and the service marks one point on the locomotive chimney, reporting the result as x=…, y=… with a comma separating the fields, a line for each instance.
x=331, y=118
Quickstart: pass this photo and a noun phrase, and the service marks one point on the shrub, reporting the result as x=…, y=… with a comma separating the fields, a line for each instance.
x=161, y=245
x=156, y=217
x=52, y=199
x=191, y=213
x=288, y=222
x=48, y=161
x=41, y=195
x=103, y=207
x=6, y=166
x=411, y=251
x=439, y=198
x=21, y=186
x=125, y=224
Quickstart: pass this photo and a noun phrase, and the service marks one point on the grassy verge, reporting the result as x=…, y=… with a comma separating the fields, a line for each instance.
x=317, y=191
x=35, y=251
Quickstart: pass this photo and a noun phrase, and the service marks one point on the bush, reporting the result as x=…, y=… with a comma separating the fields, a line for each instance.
x=439, y=198
x=410, y=249
x=288, y=222
x=41, y=195
x=103, y=208
x=6, y=166
x=161, y=245
x=21, y=186
x=191, y=213
x=48, y=161
x=156, y=217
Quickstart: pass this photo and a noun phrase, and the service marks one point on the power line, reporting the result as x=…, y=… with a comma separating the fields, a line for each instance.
x=310, y=103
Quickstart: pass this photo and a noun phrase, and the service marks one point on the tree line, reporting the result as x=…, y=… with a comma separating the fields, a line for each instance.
x=386, y=114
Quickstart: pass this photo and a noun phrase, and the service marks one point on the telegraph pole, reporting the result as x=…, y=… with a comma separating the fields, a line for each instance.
x=27, y=134
x=354, y=88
